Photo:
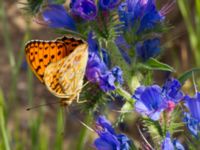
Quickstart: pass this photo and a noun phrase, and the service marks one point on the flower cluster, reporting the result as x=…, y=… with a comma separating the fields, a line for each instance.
x=141, y=17
x=152, y=100
x=97, y=69
x=108, y=139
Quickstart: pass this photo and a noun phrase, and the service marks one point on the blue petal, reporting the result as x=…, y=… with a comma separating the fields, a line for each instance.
x=107, y=82
x=194, y=105
x=107, y=141
x=151, y=97
x=118, y=74
x=192, y=124
x=167, y=143
x=105, y=124
x=178, y=145
x=172, y=90
x=57, y=17
x=149, y=48
x=138, y=92
x=125, y=142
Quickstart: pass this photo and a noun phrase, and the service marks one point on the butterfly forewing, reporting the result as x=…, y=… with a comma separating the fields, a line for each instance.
x=39, y=54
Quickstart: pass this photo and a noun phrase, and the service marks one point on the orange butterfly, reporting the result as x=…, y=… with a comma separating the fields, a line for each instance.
x=60, y=64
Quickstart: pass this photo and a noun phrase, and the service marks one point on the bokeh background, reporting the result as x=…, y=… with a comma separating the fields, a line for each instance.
x=42, y=127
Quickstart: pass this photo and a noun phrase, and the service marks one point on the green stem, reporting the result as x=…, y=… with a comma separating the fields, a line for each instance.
x=125, y=94
x=2, y=123
x=117, y=59
x=83, y=133
x=6, y=36
x=30, y=86
x=192, y=30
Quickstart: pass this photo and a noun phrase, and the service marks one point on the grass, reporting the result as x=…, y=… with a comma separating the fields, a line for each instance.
x=191, y=16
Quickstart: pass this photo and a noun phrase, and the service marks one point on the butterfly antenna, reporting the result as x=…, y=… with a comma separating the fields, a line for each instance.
x=41, y=105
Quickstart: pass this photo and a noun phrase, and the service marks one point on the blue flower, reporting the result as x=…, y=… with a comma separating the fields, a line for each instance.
x=151, y=17
x=193, y=104
x=86, y=9
x=149, y=101
x=192, y=124
x=57, y=17
x=167, y=143
x=108, y=4
x=172, y=90
x=147, y=49
x=107, y=82
x=117, y=73
x=108, y=139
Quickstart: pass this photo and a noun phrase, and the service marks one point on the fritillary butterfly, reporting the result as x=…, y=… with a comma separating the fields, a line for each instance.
x=59, y=64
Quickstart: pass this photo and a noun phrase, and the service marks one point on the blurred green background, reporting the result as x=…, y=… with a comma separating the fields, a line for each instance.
x=42, y=128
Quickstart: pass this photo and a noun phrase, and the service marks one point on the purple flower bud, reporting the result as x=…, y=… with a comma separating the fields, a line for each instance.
x=86, y=9
x=148, y=48
x=172, y=90
x=118, y=74
x=108, y=4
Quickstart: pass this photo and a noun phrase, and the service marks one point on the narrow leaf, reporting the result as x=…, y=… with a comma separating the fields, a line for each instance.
x=187, y=75
x=153, y=64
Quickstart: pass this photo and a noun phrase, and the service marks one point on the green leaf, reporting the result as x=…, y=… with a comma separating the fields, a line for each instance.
x=153, y=64
x=187, y=75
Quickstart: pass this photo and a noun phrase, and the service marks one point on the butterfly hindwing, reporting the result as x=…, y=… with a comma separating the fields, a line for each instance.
x=73, y=70
x=66, y=80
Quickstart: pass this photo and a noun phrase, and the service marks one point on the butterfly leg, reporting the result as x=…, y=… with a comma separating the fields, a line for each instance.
x=80, y=102
x=85, y=84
